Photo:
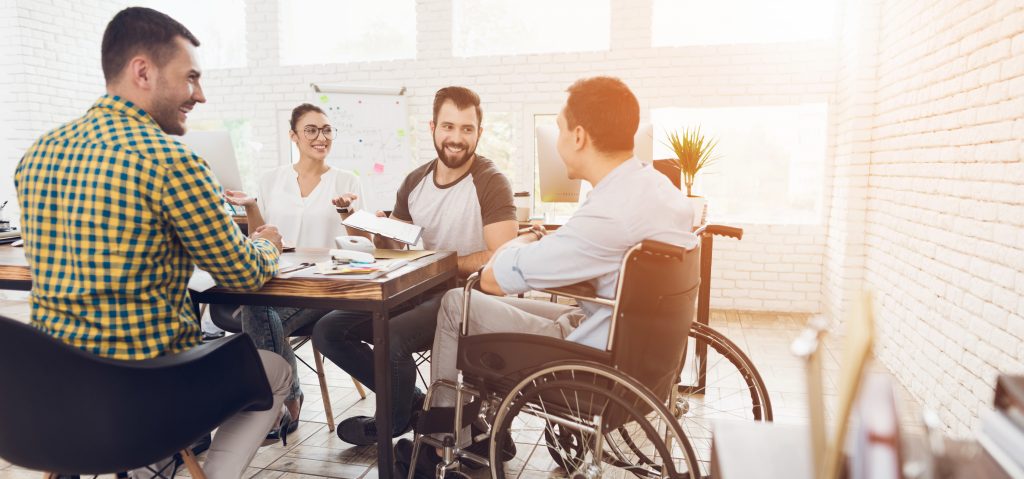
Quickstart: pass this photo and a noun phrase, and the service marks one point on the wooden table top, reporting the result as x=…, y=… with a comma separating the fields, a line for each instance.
x=14, y=272
x=303, y=284
x=312, y=288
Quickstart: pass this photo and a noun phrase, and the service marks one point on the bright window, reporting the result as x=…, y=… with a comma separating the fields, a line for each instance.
x=497, y=143
x=219, y=26
x=721, y=22
x=342, y=31
x=772, y=160
x=503, y=27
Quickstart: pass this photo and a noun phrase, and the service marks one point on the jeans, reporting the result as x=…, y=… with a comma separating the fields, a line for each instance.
x=270, y=328
x=345, y=337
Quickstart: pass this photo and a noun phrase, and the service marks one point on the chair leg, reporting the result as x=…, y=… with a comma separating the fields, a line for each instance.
x=319, y=360
x=359, y=388
x=193, y=466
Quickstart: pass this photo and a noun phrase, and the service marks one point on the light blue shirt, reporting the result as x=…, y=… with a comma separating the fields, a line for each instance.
x=631, y=203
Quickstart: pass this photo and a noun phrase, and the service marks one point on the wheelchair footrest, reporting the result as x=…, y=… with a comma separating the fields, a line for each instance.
x=440, y=419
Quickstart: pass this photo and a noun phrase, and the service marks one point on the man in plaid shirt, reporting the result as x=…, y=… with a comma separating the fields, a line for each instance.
x=115, y=214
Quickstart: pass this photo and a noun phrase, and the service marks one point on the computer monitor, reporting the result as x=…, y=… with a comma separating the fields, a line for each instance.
x=215, y=147
x=555, y=185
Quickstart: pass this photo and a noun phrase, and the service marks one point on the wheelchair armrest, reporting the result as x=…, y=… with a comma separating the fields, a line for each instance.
x=583, y=291
x=507, y=357
x=584, y=288
x=720, y=230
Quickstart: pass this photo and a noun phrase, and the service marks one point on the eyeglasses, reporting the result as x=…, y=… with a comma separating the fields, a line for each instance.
x=312, y=132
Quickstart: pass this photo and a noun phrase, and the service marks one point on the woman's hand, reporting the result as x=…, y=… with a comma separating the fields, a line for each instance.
x=239, y=198
x=345, y=200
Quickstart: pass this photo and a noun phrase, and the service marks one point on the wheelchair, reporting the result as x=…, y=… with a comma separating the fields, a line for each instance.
x=598, y=413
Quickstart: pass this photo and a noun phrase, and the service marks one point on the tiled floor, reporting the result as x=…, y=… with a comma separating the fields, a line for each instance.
x=313, y=451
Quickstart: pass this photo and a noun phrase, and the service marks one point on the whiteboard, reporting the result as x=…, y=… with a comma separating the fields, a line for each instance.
x=374, y=140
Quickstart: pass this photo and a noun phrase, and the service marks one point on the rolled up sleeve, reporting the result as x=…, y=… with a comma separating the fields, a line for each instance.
x=585, y=248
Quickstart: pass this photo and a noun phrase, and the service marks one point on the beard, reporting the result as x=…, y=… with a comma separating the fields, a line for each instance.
x=164, y=110
x=454, y=161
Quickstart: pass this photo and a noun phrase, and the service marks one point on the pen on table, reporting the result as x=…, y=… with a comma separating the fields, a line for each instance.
x=298, y=267
x=4, y=204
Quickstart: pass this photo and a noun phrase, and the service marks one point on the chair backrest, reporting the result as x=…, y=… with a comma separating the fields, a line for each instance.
x=656, y=301
x=64, y=410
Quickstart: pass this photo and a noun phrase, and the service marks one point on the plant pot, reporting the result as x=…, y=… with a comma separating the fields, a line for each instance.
x=700, y=209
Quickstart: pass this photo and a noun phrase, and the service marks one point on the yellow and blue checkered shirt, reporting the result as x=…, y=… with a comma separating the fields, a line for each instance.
x=114, y=214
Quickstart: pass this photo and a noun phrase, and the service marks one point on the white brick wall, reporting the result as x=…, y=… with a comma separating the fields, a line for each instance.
x=928, y=195
x=739, y=75
x=51, y=60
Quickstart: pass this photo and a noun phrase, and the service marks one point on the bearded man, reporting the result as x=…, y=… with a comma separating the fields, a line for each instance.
x=464, y=204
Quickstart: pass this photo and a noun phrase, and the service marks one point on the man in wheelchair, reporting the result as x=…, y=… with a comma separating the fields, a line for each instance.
x=630, y=203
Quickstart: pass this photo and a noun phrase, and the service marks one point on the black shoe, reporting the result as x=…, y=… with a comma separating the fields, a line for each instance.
x=358, y=430
x=287, y=425
x=362, y=430
x=426, y=462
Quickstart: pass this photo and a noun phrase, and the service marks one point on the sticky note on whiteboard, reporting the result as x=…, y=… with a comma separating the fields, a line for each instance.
x=401, y=133
x=378, y=168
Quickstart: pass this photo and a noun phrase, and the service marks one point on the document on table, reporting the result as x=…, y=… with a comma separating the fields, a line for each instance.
x=387, y=227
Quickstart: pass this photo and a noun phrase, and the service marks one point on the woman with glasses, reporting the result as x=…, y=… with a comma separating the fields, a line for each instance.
x=307, y=201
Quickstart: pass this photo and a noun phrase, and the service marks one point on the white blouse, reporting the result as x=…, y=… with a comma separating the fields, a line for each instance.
x=310, y=222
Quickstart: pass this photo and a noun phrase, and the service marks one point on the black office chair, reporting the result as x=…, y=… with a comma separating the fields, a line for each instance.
x=67, y=411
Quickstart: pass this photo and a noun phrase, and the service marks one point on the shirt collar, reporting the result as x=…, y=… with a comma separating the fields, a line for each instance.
x=120, y=106
x=628, y=166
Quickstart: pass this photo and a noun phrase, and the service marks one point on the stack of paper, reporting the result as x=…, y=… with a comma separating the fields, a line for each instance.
x=360, y=270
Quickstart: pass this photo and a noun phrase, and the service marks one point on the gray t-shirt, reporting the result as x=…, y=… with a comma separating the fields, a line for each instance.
x=453, y=216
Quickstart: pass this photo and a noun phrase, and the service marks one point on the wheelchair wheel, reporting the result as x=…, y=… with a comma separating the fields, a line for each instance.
x=732, y=389
x=568, y=409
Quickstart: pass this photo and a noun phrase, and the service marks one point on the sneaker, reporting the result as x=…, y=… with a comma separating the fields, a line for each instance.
x=362, y=430
x=358, y=430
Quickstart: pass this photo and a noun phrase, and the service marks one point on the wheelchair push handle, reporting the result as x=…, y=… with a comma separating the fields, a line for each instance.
x=471, y=283
x=720, y=230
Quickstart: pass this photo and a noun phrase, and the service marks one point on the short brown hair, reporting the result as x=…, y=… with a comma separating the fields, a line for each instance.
x=139, y=29
x=300, y=110
x=606, y=109
x=462, y=97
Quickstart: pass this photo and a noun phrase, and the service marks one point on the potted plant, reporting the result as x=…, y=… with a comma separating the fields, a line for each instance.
x=693, y=153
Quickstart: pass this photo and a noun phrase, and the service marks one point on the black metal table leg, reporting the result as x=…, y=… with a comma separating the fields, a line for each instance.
x=382, y=381
x=707, y=244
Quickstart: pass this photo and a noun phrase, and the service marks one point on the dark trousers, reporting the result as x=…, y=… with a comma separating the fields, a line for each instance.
x=345, y=337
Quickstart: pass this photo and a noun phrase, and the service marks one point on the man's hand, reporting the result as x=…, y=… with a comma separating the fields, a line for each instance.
x=345, y=200
x=270, y=233
x=239, y=198
x=532, y=233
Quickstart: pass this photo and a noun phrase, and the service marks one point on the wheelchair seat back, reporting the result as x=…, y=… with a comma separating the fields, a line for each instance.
x=655, y=306
x=656, y=302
